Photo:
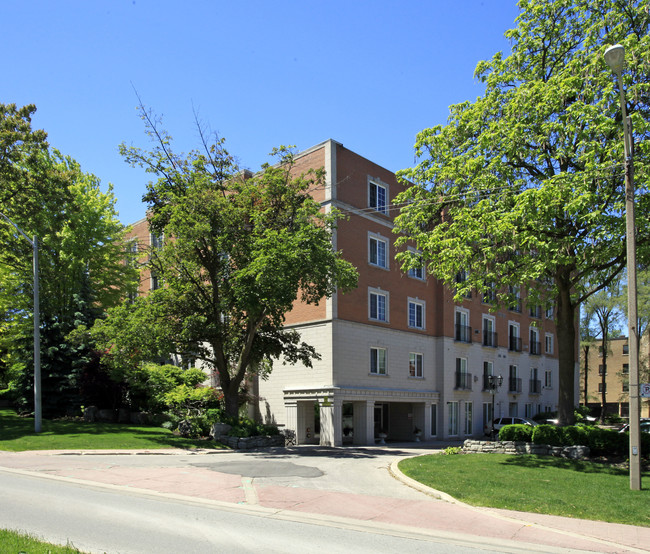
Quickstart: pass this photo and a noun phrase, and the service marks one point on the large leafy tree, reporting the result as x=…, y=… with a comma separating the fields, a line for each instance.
x=81, y=258
x=238, y=251
x=526, y=184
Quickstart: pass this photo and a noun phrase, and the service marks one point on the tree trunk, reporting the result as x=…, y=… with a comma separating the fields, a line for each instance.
x=566, y=339
x=231, y=400
x=586, y=351
x=603, y=378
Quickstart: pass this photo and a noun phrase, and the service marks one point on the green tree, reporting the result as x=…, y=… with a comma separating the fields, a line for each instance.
x=525, y=184
x=239, y=250
x=81, y=258
x=604, y=308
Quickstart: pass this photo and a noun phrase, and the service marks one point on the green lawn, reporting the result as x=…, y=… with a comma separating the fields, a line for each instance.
x=17, y=434
x=537, y=484
x=21, y=543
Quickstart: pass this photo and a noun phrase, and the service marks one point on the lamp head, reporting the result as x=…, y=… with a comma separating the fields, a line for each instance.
x=615, y=58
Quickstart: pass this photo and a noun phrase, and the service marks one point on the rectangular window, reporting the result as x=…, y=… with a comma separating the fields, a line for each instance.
x=378, y=197
x=378, y=361
x=156, y=240
x=452, y=416
x=416, y=314
x=514, y=339
x=549, y=344
x=488, y=371
x=463, y=330
x=626, y=349
x=514, y=382
x=461, y=277
x=490, y=295
x=415, y=364
x=489, y=336
x=548, y=379
x=515, y=298
x=377, y=249
x=488, y=416
x=528, y=411
x=155, y=282
x=626, y=386
x=434, y=420
x=602, y=387
x=378, y=306
x=535, y=346
x=601, y=369
x=549, y=312
x=513, y=409
x=626, y=369
x=468, y=419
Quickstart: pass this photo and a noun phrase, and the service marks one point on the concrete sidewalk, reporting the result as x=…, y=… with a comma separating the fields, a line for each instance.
x=379, y=494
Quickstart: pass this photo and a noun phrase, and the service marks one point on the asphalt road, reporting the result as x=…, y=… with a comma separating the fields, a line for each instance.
x=102, y=520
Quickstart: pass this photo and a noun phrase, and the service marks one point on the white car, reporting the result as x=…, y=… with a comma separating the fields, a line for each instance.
x=501, y=421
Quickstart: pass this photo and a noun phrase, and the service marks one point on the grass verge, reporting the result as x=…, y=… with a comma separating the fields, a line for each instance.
x=537, y=484
x=17, y=434
x=12, y=541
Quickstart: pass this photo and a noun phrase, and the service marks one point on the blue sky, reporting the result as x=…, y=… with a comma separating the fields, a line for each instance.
x=369, y=74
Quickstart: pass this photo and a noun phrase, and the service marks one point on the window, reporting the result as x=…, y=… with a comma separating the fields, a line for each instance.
x=514, y=382
x=378, y=361
x=463, y=379
x=535, y=345
x=461, y=277
x=601, y=369
x=548, y=379
x=626, y=349
x=549, y=312
x=548, y=342
x=468, y=419
x=528, y=411
x=416, y=314
x=434, y=420
x=513, y=409
x=535, y=311
x=156, y=240
x=463, y=330
x=378, y=306
x=488, y=416
x=378, y=197
x=488, y=371
x=489, y=336
x=514, y=340
x=490, y=294
x=377, y=249
x=602, y=387
x=416, y=272
x=626, y=369
x=626, y=386
x=415, y=364
x=515, y=298
x=452, y=414
x=155, y=282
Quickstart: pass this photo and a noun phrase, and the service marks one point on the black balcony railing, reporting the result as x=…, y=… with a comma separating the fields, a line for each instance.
x=463, y=333
x=514, y=344
x=489, y=338
x=536, y=348
x=514, y=384
x=463, y=380
x=535, y=386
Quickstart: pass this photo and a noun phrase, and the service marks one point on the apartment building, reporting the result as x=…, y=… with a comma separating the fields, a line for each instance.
x=398, y=356
x=616, y=375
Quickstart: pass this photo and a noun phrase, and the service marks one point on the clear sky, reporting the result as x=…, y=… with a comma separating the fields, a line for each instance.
x=368, y=73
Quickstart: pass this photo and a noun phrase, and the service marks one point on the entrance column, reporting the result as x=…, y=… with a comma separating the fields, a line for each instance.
x=426, y=429
x=291, y=407
x=327, y=433
x=364, y=423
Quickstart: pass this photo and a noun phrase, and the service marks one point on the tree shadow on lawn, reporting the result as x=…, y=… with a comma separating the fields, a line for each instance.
x=582, y=466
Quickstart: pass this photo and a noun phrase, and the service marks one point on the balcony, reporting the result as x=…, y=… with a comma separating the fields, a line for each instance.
x=514, y=385
x=535, y=386
x=463, y=333
x=490, y=338
x=514, y=344
x=463, y=381
x=535, y=348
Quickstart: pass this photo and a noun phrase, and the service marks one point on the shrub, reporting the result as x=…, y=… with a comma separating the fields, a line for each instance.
x=603, y=442
x=451, y=450
x=517, y=432
x=573, y=435
x=547, y=434
x=244, y=427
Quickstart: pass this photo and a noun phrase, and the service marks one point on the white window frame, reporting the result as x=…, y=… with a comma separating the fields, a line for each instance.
x=469, y=423
x=380, y=207
x=549, y=347
x=377, y=293
x=377, y=356
x=416, y=303
x=452, y=418
x=375, y=244
x=156, y=241
x=548, y=379
x=416, y=365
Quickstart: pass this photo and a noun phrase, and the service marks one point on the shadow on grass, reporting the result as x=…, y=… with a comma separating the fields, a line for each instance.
x=13, y=427
x=583, y=466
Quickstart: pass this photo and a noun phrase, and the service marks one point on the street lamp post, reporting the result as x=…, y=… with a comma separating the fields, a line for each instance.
x=615, y=58
x=37, y=331
x=494, y=382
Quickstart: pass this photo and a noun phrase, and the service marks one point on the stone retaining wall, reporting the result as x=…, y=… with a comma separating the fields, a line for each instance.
x=516, y=447
x=248, y=443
